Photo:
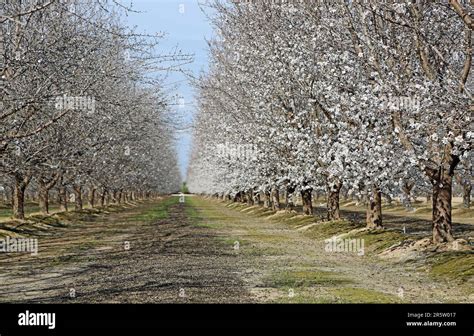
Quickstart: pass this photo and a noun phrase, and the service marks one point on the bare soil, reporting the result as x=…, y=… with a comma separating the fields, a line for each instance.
x=208, y=251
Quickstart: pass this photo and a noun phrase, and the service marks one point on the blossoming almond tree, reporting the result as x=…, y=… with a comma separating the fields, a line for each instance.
x=82, y=105
x=336, y=95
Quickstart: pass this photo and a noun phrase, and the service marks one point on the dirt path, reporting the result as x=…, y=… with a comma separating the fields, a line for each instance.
x=204, y=251
x=168, y=260
x=289, y=267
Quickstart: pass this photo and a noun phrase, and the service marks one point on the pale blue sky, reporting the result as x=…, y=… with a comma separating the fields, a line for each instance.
x=186, y=26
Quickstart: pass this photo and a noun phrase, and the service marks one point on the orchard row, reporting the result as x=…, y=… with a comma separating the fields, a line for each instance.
x=83, y=107
x=368, y=98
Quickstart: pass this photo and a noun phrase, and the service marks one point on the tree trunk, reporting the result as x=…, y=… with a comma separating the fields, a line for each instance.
x=237, y=197
x=407, y=187
x=333, y=189
x=45, y=186
x=62, y=198
x=243, y=197
x=275, y=193
x=442, y=193
x=77, y=197
x=266, y=200
x=467, y=188
x=289, y=205
x=18, y=202
x=466, y=197
x=43, y=197
x=256, y=196
x=250, y=199
x=374, y=209
x=102, y=197
x=306, y=197
x=119, y=196
x=91, y=195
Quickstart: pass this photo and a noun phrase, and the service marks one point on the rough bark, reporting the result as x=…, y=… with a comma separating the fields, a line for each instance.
x=250, y=199
x=256, y=196
x=18, y=202
x=306, y=197
x=43, y=197
x=115, y=196
x=102, y=197
x=77, y=197
x=374, y=209
x=466, y=198
x=243, y=197
x=333, y=190
x=275, y=193
x=91, y=194
x=45, y=185
x=467, y=188
x=289, y=205
x=442, y=192
x=237, y=197
x=266, y=199
x=407, y=187
x=62, y=198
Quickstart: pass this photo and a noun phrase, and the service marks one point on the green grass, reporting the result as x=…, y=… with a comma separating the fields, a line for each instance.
x=156, y=211
x=213, y=221
x=303, y=298
x=191, y=211
x=305, y=278
x=184, y=188
x=30, y=208
x=85, y=215
x=231, y=242
x=362, y=295
x=376, y=241
x=339, y=295
x=457, y=265
x=324, y=230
